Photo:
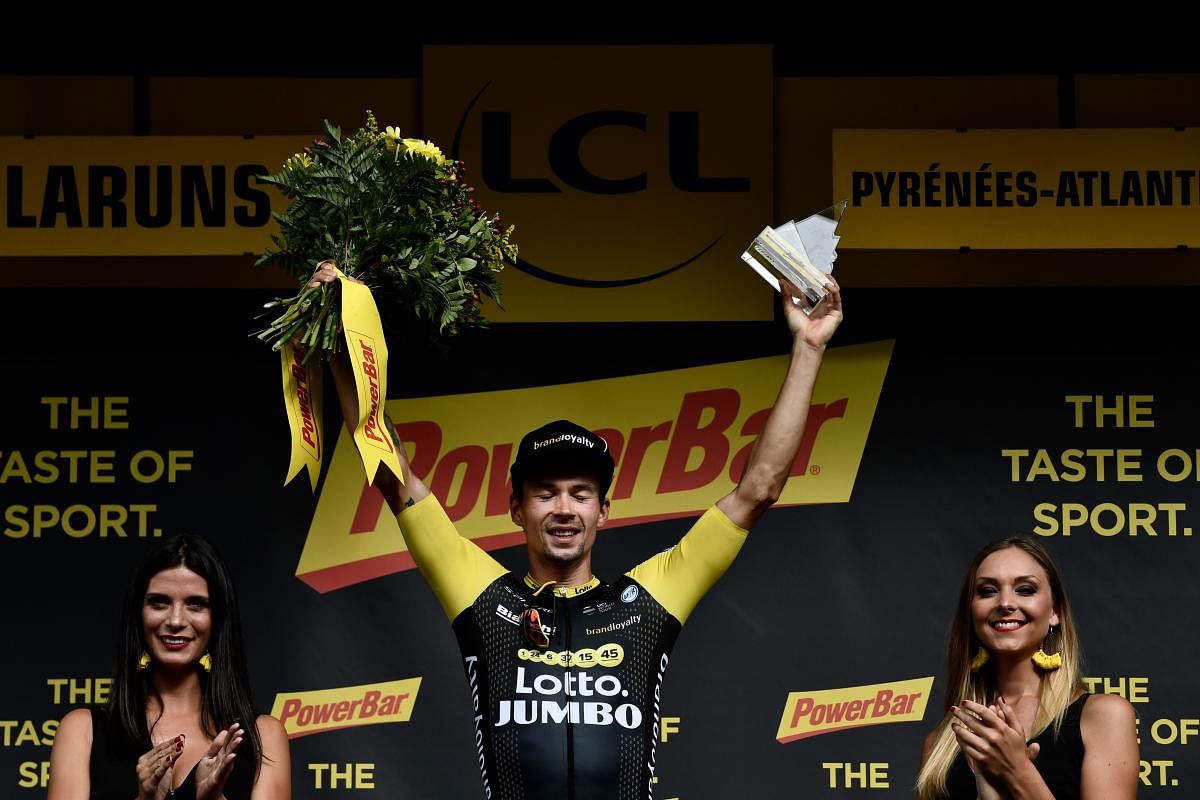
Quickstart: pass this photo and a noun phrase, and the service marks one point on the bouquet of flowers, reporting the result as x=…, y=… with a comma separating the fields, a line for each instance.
x=394, y=214
x=401, y=245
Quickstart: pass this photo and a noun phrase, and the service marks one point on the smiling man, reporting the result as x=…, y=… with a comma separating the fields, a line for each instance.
x=566, y=670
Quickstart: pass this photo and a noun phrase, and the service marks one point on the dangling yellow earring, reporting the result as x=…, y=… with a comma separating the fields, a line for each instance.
x=206, y=662
x=1049, y=663
x=1045, y=661
x=143, y=661
x=979, y=660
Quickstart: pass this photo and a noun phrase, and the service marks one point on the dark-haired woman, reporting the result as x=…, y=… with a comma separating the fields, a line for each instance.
x=180, y=723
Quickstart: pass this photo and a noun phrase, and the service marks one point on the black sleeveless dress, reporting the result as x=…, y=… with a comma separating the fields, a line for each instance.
x=1060, y=760
x=113, y=767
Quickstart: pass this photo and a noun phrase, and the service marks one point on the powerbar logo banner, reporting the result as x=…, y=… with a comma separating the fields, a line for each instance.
x=680, y=440
x=633, y=172
x=1006, y=189
x=811, y=713
x=138, y=195
x=323, y=710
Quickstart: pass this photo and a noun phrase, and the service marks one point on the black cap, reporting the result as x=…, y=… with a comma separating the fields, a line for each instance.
x=562, y=445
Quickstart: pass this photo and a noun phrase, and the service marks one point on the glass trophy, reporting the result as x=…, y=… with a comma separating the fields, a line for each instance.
x=801, y=252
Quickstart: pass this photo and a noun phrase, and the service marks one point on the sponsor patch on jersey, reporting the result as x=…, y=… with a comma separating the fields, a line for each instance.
x=599, y=608
x=614, y=627
x=503, y=612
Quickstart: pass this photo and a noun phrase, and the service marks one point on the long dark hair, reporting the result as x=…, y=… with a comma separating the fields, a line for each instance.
x=226, y=688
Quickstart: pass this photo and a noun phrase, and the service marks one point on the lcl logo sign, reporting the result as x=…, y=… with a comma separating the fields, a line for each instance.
x=563, y=155
x=564, y=162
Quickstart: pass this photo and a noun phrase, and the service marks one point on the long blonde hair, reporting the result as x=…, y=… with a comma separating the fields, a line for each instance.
x=1057, y=687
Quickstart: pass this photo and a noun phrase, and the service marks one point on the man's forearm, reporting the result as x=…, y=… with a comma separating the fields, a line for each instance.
x=397, y=494
x=770, y=462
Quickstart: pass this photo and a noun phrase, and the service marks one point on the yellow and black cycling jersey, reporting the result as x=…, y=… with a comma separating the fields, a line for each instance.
x=579, y=719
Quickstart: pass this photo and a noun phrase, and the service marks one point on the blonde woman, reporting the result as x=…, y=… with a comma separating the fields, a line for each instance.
x=1019, y=723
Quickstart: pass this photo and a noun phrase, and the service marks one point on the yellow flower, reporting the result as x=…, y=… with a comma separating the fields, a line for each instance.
x=299, y=161
x=420, y=147
x=390, y=136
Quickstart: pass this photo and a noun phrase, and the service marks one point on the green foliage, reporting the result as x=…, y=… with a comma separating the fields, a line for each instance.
x=395, y=214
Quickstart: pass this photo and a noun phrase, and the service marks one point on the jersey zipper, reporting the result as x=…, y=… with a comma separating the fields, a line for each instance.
x=567, y=699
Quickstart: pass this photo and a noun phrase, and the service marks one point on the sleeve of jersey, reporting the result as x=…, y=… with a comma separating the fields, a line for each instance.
x=456, y=568
x=679, y=577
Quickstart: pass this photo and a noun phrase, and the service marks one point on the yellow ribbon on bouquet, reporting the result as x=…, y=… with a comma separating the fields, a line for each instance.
x=302, y=390
x=302, y=396
x=368, y=356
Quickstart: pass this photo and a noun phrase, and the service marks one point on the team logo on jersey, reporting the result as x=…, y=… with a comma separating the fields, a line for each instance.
x=630, y=594
x=542, y=699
